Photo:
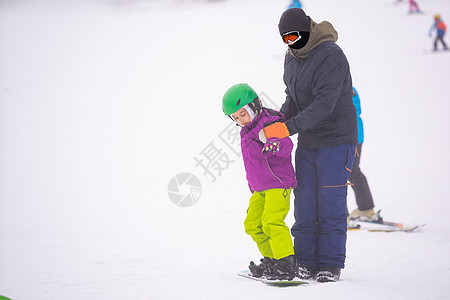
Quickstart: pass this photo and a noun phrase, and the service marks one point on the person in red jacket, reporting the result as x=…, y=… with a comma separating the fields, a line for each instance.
x=440, y=28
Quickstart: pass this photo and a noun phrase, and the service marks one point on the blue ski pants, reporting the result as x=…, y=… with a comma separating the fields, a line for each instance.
x=320, y=206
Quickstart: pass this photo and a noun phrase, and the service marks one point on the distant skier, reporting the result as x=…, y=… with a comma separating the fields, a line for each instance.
x=363, y=196
x=413, y=7
x=270, y=176
x=295, y=3
x=440, y=28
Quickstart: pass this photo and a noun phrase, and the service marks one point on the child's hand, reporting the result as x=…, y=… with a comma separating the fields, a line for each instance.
x=271, y=146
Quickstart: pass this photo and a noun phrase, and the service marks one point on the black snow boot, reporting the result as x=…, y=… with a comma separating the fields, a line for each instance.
x=264, y=268
x=306, y=272
x=328, y=274
x=284, y=268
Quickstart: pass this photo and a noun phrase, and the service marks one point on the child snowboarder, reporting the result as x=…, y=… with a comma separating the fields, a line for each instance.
x=271, y=177
x=440, y=28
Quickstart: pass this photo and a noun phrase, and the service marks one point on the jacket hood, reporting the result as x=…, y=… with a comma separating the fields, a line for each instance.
x=319, y=33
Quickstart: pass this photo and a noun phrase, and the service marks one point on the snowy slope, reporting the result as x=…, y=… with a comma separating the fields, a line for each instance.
x=103, y=102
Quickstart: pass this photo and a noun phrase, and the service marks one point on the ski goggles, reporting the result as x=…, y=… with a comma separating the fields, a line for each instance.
x=291, y=37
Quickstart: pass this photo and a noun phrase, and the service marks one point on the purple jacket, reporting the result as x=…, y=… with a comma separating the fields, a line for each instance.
x=266, y=171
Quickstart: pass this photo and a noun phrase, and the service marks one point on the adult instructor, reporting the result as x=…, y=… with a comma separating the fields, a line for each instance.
x=320, y=109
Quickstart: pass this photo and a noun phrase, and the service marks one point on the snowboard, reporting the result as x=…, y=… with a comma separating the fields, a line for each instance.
x=381, y=226
x=279, y=283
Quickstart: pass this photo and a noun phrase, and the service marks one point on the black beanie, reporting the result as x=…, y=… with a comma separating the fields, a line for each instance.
x=294, y=19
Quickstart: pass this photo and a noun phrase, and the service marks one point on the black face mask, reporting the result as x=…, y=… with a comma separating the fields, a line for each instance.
x=301, y=42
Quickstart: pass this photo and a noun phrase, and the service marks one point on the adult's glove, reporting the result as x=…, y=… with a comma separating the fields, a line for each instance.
x=276, y=130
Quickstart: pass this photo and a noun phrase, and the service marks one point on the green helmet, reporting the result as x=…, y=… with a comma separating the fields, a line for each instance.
x=237, y=97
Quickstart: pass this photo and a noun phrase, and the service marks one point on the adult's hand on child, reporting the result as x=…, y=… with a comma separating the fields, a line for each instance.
x=276, y=130
x=271, y=146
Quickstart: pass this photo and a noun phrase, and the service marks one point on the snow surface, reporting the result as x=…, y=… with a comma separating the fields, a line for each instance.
x=103, y=102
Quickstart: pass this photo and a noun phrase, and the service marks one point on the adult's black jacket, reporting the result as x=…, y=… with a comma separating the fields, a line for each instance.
x=319, y=105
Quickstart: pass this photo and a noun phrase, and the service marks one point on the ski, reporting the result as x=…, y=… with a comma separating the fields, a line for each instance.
x=381, y=226
x=376, y=224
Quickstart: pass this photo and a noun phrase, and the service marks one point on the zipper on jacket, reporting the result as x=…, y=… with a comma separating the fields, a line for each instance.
x=270, y=169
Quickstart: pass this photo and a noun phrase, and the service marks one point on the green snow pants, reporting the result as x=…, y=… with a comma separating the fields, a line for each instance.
x=265, y=222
